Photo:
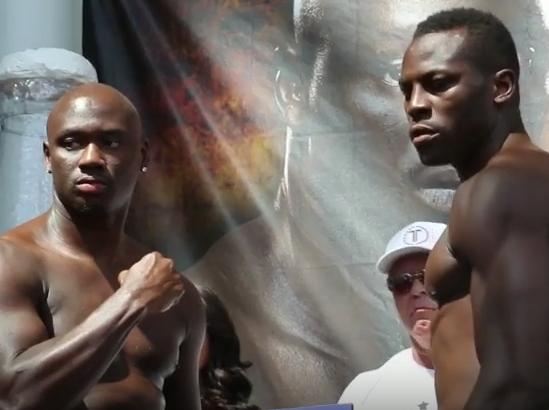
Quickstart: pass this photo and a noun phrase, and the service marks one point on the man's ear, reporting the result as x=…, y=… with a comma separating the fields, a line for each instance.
x=46, y=150
x=505, y=86
x=290, y=87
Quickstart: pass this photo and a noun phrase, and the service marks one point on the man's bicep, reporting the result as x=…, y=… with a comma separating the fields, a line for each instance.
x=511, y=343
x=182, y=389
x=20, y=322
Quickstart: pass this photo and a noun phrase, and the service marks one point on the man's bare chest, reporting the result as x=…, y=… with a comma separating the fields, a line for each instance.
x=75, y=290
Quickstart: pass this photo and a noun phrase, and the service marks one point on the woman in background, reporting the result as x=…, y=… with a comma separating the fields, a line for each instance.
x=223, y=382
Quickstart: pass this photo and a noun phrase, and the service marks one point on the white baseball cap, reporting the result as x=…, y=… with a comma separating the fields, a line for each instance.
x=416, y=237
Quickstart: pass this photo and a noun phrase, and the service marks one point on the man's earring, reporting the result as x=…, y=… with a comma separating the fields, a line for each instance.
x=144, y=168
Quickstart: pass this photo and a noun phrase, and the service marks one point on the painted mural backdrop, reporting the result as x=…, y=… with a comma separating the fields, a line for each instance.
x=281, y=163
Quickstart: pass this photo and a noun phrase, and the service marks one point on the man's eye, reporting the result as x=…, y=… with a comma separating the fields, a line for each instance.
x=111, y=142
x=71, y=144
x=440, y=84
x=406, y=91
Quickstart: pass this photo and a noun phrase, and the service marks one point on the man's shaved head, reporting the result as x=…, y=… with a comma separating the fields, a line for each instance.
x=94, y=132
x=90, y=99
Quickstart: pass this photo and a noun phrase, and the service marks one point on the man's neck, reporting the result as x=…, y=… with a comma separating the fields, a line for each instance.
x=421, y=356
x=96, y=235
x=484, y=153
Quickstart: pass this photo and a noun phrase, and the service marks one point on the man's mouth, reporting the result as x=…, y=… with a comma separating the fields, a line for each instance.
x=90, y=185
x=424, y=138
x=423, y=313
x=421, y=134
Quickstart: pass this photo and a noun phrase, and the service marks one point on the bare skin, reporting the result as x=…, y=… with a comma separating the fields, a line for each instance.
x=454, y=355
x=496, y=244
x=90, y=318
x=510, y=345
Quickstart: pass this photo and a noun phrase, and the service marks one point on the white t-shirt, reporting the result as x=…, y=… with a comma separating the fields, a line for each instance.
x=400, y=384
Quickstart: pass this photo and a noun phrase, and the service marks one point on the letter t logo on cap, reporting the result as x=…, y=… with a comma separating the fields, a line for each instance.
x=415, y=235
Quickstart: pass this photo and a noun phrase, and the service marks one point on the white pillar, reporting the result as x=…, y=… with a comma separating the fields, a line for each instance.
x=30, y=83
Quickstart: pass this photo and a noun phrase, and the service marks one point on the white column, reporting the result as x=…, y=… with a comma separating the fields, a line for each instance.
x=35, y=69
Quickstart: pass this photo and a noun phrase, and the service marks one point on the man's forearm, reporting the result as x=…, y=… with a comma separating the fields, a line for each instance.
x=62, y=370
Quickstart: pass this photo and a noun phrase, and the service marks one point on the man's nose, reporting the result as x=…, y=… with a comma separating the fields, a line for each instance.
x=418, y=288
x=91, y=156
x=418, y=107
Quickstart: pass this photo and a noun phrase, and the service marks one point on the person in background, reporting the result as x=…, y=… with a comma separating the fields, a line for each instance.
x=223, y=380
x=406, y=380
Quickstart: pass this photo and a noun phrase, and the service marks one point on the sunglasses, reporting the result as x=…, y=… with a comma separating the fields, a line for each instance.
x=400, y=284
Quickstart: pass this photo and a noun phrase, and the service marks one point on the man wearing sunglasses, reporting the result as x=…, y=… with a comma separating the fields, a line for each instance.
x=406, y=380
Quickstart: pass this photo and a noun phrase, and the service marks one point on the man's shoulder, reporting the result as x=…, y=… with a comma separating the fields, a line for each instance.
x=361, y=386
x=25, y=234
x=513, y=186
x=20, y=265
x=402, y=356
x=397, y=361
x=517, y=163
x=23, y=240
x=509, y=172
x=511, y=167
x=191, y=310
x=18, y=247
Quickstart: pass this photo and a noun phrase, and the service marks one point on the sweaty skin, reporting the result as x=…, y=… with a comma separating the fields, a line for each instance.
x=496, y=246
x=502, y=235
x=453, y=352
x=91, y=319
x=436, y=102
x=452, y=346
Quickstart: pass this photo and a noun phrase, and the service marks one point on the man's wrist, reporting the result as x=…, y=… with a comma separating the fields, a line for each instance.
x=134, y=307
